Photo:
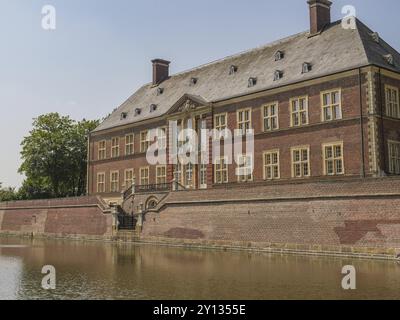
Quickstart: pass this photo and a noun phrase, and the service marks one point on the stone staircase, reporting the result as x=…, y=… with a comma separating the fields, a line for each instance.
x=128, y=235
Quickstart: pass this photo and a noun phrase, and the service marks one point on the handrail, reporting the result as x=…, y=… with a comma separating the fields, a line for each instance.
x=149, y=188
x=179, y=186
x=128, y=192
x=161, y=187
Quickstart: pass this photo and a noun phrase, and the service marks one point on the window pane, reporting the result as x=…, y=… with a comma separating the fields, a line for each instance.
x=266, y=124
x=296, y=156
x=276, y=172
x=269, y=173
x=295, y=106
x=337, y=112
x=304, y=118
x=304, y=155
x=305, y=169
x=303, y=104
x=338, y=151
x=297, y=170
x=275, y=158
x=296, y=119
x=339, y=166
x=329, y=167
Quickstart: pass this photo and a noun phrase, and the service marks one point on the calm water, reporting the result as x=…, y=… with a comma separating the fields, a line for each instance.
x=109, y=271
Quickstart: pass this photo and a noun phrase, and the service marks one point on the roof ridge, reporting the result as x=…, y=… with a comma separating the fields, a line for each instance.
x=237, y=55
x=363, y=44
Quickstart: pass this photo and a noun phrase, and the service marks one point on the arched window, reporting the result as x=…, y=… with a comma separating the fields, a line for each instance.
x=151, y=204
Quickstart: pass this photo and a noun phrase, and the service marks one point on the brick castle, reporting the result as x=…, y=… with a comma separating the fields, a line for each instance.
x=324, y=104
x=324, y=107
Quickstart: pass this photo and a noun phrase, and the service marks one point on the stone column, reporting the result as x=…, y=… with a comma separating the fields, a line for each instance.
x=139, y=224
x=115, y=224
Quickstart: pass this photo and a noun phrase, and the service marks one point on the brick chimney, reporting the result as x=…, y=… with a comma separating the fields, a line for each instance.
x=160, y=71
x=320, y=15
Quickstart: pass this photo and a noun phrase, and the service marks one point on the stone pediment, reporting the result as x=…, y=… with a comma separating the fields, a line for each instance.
x=187, y=104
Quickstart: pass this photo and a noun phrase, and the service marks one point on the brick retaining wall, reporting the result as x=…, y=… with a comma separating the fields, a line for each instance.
x=356, y=217
x=85, y=217
x=360, y=216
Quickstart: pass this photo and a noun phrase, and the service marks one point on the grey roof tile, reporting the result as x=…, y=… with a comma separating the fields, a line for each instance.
x=334, y=50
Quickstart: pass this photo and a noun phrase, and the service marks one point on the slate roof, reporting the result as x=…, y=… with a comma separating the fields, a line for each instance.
x=334, y=50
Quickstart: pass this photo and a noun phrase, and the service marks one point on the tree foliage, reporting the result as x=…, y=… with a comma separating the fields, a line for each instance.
x=7, y=194
x=54, y=157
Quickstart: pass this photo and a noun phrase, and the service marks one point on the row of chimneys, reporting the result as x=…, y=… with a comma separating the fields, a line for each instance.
x=320, y=17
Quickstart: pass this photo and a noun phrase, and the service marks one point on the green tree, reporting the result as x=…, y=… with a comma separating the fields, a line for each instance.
x=54, y=157
x=34, y=189
x=7, y=194
x=78, y=156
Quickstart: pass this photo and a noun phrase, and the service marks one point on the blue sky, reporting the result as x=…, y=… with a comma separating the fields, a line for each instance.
x=101, y=50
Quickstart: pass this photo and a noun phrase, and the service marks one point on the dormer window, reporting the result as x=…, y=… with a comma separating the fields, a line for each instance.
x=252, y=82
x=233, y=69
x=160, y=91
x=375, y=37
x=389, y=59
x=138, y=111
x=124, y=115
x=193, y=81
x=153, y=107
x=307, y=67
x=278, y=75
x=279, y=55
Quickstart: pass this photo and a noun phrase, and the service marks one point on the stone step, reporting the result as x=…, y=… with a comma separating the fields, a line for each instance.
x=128, y=235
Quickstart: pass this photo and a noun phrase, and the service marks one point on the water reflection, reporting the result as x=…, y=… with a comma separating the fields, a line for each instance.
x=110, y=271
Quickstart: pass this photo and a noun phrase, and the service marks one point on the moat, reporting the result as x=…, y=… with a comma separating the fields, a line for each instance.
x=121, y=271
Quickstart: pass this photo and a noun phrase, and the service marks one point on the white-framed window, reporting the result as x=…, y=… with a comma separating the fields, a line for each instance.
x=189, y=177
x=161, y=174
x=101, y=182
x=299, y=111
x=333, y=158
x=129, y=178
x=221, y=170
x=129, y=144
x=203, y=176
x=331, y=105
x=245, y=167
x=114, y=181
x=144, y=141
x=115, y=147
x=270, y=115
x=102, y=150
x=220, y=121
x=178, y=172
x=271, y=165
x=301, y=162
x=144, y=176
x=392, y=102
x=244, y=120
x=162, y=138
x=394, y=157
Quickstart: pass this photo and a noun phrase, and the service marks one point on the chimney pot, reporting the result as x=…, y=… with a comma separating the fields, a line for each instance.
x=320, y=15
x=160, y=70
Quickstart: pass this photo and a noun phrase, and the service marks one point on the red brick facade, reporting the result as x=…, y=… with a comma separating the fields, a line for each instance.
x=364, y=145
